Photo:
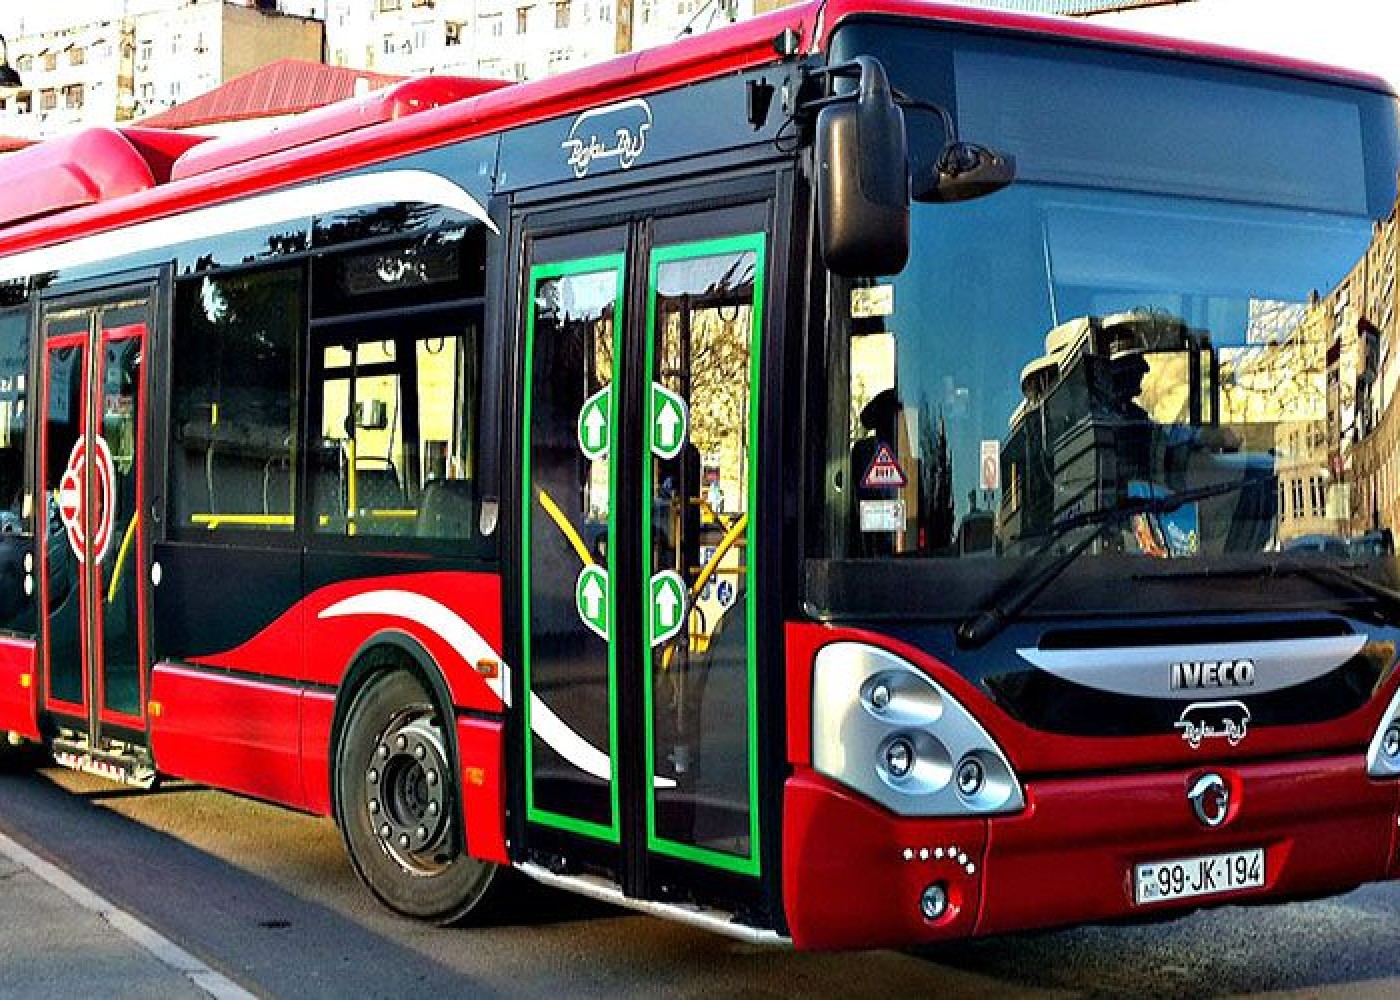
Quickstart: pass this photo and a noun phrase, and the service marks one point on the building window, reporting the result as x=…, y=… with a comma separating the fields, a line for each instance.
x=388, y=45
x=77, y=55
x=498, y=28
x=520, y=71
x=561, y=14
x=48, y=100
x=147, y=50
x=522, y=20
x=50, y=60
x=25, y=64
x=386, y=5
x=605, y=12
x=73, y=96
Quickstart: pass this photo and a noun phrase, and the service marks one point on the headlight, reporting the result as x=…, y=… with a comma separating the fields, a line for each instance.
x=1383, y=756
x=887, y=730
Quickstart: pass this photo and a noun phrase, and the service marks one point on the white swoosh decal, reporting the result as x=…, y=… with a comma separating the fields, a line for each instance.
x=467, y=643
x=295, y=203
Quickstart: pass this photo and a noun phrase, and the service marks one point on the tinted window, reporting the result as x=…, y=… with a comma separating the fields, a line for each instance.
x=233, y=402
x=14, y=417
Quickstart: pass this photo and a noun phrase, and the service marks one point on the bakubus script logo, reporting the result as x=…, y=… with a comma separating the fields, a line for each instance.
x=1205, y=720
x=615, y=131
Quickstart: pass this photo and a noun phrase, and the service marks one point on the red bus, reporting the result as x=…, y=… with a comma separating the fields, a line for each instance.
x=879, y=473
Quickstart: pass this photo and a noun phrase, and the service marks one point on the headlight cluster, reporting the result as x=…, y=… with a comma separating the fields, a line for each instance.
x=887, y=730
x=1383, y=756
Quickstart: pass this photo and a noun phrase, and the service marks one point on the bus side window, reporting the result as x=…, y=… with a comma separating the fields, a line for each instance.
x=395, y=454
x=234, y=402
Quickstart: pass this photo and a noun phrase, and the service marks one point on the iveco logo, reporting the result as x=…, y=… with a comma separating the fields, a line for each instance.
x=1190, y=674
x=1210, y=799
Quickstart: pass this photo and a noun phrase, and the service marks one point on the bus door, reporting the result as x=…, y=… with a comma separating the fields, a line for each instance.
x=92, y=562
x=640, y=736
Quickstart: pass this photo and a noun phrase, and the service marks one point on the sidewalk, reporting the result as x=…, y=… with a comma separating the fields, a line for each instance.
x=57, y=939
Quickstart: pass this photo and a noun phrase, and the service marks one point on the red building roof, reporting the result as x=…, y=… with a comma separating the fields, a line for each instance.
x=285, y=87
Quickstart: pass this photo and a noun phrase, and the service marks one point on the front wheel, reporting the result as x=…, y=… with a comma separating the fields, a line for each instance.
x=396, y=793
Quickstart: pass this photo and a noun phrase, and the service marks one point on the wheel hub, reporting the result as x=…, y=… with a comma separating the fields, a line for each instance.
x=407, y=796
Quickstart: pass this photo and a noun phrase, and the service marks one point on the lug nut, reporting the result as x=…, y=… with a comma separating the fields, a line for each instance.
x=1390, y=742
x=880, y=697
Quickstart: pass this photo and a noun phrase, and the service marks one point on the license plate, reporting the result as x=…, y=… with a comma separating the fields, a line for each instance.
x=1183, y=878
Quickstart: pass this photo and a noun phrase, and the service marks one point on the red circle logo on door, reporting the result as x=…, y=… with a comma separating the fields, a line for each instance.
x=71, y=497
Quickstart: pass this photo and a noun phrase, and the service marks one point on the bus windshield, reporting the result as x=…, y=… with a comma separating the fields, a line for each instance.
x=1168, y=349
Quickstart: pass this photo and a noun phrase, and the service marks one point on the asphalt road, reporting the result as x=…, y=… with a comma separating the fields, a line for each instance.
x=267, y=898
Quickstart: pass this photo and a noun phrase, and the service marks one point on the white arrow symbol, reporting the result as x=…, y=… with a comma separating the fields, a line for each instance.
x=592, y=597
x=593, y=425
x=667, y=602
x=668, y=420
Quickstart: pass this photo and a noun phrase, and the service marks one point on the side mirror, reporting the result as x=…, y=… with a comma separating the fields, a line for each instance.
x=862, y=162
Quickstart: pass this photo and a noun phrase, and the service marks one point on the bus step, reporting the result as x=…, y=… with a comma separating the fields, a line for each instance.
x=118, y=762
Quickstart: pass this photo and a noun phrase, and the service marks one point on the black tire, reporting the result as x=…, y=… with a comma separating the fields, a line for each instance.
x=397, y=799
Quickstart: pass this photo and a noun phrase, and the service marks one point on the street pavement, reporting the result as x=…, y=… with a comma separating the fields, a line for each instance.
x=59, y=939
x=267, y=898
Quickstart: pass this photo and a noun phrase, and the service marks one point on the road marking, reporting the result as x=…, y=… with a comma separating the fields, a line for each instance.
x=165, y=950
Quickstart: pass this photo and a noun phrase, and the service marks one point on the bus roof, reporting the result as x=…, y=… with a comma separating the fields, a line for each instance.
x=46, y=209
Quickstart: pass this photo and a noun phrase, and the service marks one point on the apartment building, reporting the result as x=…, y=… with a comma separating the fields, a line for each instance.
x=119, y=68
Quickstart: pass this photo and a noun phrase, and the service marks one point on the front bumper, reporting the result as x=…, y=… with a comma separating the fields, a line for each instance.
x=853, y=873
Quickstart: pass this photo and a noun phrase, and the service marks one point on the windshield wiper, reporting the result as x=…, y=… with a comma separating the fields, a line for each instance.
x=1011, y=599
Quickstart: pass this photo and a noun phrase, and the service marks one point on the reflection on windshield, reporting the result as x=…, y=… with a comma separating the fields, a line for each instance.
x=1063, y=348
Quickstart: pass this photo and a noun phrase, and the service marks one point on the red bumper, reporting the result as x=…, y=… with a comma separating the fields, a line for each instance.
x=853, y=873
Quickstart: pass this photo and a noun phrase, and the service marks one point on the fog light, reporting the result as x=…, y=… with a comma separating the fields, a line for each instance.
x=1390, y=742
x=899, y=757
x=971, y=776
x=934, y=902
x=880, y=697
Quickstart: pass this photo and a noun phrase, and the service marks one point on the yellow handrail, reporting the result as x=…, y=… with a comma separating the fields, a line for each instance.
x=562, y=523
x=121, y=556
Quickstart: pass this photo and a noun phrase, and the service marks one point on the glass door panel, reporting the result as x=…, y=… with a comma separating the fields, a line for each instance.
x=62, y=580
x=704, y=304
x=118, y=551
x=574, y=315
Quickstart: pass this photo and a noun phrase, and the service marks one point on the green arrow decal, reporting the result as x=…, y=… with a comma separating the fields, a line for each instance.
x=668, y=606
x=670, y=422
x=591, y=599
x=595, y=424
